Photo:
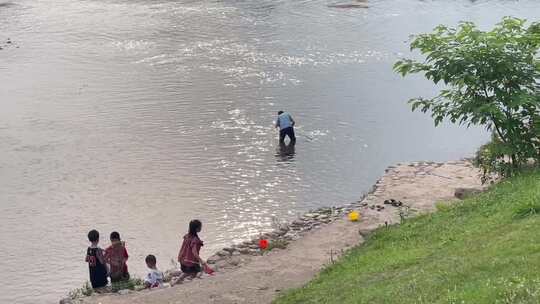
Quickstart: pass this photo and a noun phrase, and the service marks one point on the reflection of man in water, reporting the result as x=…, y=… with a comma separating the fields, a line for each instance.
x=285, y=123
x=285, y=153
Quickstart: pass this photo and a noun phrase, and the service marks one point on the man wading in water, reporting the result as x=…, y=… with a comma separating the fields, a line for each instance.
x=285, y=123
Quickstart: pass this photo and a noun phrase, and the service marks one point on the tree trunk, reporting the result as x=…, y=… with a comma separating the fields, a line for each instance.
x=515, y=163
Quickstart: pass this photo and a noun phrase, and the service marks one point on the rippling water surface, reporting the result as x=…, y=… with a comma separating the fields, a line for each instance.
x=140, y=115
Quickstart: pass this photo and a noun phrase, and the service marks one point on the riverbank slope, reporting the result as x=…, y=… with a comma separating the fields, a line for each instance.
x=483, y=250
x=260, y=279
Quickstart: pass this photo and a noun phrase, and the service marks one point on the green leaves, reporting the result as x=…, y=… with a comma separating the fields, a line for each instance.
x=491, y=79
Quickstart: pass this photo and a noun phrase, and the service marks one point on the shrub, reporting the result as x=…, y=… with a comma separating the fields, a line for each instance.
x=491, y=79
x=493, y=158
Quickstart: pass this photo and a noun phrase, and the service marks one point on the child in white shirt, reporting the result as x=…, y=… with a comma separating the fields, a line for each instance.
x=154, y=278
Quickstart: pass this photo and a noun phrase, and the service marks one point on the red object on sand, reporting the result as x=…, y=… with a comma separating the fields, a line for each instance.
x=263, y=244
x=208, y=270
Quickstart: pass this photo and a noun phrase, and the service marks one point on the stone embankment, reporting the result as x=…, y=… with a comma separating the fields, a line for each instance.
x=300, y=249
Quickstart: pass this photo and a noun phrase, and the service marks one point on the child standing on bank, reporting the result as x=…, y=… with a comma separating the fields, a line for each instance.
x=96, y=261
x=116, y=256
x=154, y=278
x=188, y=257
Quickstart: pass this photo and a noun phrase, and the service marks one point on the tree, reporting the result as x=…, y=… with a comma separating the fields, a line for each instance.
x=491, y=78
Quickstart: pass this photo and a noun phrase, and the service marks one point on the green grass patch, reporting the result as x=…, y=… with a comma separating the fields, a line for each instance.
x=130, y=284
x=485, y=249
x=85, y=291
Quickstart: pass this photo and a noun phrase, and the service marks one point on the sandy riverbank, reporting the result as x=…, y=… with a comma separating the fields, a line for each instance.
x=245, y=278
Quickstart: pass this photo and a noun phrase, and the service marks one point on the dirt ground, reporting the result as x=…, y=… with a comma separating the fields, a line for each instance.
x=261, y=278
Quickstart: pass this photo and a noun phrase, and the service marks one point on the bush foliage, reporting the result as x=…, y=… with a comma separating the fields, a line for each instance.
x=491, y=78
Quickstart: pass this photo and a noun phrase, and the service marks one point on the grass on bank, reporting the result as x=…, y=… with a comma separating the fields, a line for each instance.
x=86, y=290
x=483, y=250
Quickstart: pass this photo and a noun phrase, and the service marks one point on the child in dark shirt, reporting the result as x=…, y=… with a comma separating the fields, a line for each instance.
x=96, y=261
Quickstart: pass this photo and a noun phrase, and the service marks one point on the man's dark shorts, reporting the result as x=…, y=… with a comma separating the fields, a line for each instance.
x=287, y=132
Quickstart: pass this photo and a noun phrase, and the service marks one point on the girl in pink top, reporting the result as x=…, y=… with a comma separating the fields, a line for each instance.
x=188, y=257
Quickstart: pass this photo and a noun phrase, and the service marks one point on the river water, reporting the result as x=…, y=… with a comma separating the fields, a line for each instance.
x=139, y=115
